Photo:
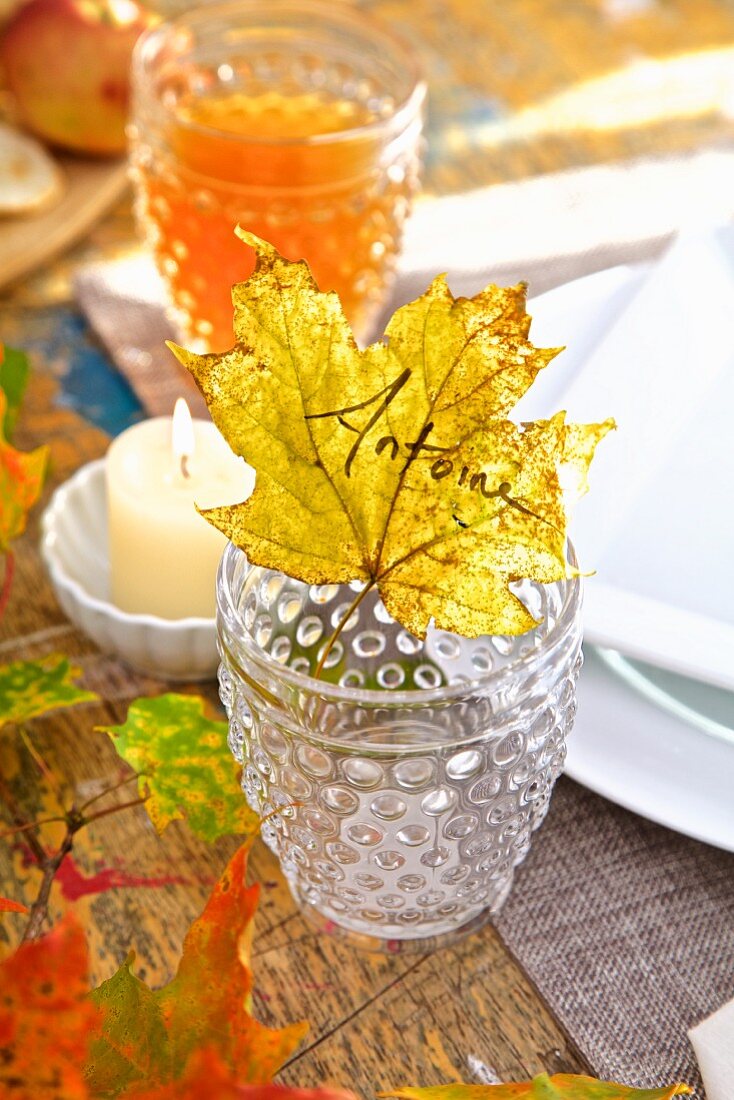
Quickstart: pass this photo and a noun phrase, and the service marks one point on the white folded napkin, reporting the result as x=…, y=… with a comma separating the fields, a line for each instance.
x=713, y=1042
x=655, y=352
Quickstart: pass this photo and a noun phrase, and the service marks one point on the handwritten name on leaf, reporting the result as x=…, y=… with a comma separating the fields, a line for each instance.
x=397, y=465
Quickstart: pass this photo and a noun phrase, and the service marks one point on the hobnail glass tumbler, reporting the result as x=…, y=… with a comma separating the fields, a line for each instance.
x=405, y=784
x=299, y=120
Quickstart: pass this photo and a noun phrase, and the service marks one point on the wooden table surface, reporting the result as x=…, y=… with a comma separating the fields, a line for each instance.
x=375, y=1021
x=467, y=1012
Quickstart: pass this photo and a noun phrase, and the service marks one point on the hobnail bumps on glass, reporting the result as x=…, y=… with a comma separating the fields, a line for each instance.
x=405, y=840
x=362, y=221
x=292, y=623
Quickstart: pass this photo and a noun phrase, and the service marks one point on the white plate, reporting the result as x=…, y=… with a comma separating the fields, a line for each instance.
x=628, y=749
x=708, y=708
x=650, y=346
x=663, y=592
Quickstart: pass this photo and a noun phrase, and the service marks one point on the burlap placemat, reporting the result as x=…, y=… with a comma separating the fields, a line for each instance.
x=627, y=930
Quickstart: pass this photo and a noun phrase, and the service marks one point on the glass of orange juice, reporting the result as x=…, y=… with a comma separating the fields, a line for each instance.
x=299, y=120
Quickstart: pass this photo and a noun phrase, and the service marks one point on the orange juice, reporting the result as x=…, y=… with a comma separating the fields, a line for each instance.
x=308, y=170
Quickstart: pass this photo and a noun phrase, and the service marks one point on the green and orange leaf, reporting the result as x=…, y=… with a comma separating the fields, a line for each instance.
x=562, y=1086
x=31, y=688
x=207, y=1076
x=148, y=1038
x=21, y=481
x=184, y=764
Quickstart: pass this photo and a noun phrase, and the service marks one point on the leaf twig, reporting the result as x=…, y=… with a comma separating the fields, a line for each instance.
x=108, y=790
x=15, y=812
x=116, y=809
x=30, y=825
x=40, y=762
x=49, y=862
x=342, y=623
x=39, y=908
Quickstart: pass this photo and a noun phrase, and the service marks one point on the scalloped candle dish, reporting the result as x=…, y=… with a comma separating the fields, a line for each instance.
x=74, y=549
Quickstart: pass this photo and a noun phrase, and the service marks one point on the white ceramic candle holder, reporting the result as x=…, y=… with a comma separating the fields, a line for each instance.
x=74, y=548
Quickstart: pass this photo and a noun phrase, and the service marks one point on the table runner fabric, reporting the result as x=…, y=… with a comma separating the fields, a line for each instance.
x=626, y=928
x=124, y=303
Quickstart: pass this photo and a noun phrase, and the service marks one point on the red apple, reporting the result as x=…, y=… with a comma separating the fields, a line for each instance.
x=67, y=63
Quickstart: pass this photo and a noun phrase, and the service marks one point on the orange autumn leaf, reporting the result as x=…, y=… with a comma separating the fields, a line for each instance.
x=46, y=1018
x=206, y=1076
x=148, y=1038
x=8, y=906
x=21, y=479
x=211, y=992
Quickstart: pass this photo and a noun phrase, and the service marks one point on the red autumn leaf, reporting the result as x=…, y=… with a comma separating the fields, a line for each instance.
x=148, y=1037
x=46, y=1017
x=8, y=906
x=207, y=1076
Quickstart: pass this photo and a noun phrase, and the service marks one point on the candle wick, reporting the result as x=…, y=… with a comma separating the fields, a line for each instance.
x=185, y=465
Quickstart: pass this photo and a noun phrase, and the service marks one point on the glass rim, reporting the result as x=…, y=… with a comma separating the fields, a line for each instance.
x=335, y=693
x=399, y=118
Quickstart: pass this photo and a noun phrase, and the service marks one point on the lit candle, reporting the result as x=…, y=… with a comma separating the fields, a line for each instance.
x=163, y=554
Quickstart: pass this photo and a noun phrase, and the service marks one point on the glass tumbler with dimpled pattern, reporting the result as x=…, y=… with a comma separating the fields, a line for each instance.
x=299, y=120
x=402, y=788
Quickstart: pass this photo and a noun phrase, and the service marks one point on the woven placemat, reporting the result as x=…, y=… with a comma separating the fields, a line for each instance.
x=627, y=931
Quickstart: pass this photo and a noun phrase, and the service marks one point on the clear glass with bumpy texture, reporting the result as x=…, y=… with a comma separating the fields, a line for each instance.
x=405, y=784
x=299, y=120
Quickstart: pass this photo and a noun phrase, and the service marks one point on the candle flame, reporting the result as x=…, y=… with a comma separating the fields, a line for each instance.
x=182, y=432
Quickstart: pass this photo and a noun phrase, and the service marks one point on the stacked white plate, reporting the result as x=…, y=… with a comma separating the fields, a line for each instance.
x=654, y=347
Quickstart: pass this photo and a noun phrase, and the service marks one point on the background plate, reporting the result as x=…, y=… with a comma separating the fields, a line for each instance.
x=92, y=187
x=645, y=346
x=629, y=750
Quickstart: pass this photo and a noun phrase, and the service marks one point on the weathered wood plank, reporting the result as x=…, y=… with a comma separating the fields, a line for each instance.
x=375, y=1020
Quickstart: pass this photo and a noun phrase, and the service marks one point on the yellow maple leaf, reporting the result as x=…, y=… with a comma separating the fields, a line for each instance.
x=397, y=465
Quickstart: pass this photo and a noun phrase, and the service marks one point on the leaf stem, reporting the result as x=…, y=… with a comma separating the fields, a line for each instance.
x=108, y=790
x=50, y=865
x=343, y=622
x=116, y=809
x=33, y=842
x=7, y=581
x=41, y=763
x=30, y=825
